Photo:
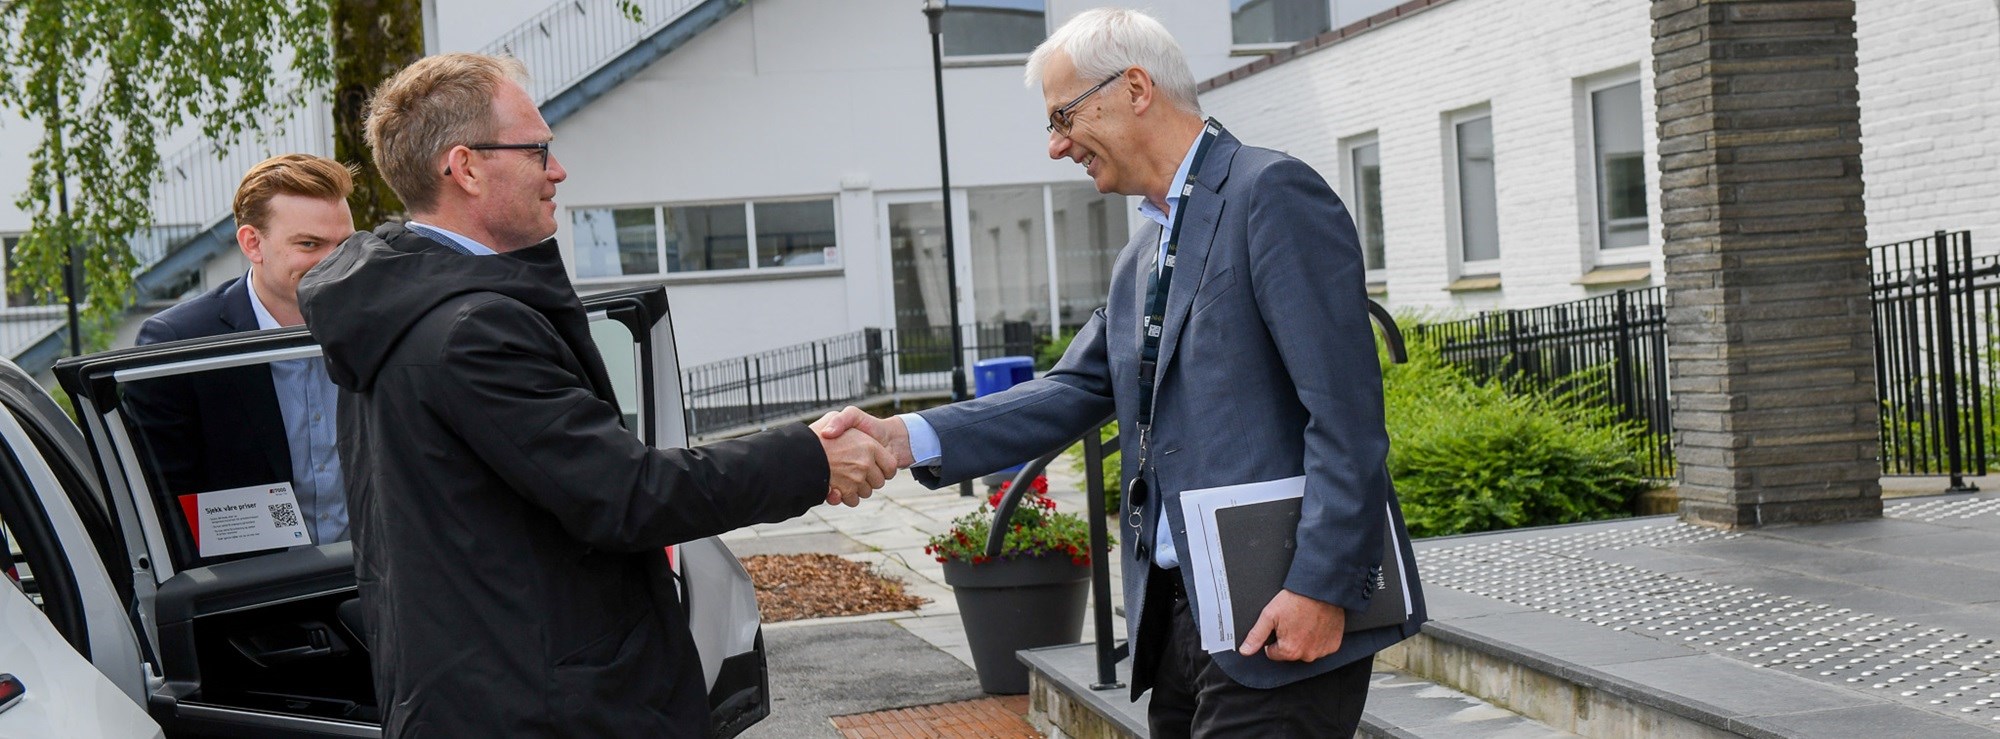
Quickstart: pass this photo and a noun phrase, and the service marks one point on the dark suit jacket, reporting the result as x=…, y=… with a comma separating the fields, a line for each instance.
x=212, y=430
x=1267, y=370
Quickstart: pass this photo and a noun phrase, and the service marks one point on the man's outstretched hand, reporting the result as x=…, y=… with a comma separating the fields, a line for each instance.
x=856, y=464
x=890, y=432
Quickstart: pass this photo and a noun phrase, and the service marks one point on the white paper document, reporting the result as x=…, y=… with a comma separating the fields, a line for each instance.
x=247, y=519
x=1262, y=537
x=1211, y=582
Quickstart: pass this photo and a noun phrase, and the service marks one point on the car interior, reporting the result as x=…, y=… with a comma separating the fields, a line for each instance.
x=259, y=630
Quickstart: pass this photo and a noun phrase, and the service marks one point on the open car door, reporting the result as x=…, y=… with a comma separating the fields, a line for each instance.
x=254, y=626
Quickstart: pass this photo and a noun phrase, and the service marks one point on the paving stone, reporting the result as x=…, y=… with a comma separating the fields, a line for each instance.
x=1945, y=582
x=1873, y=721
x=1737, y=688
x=1567, y=640
x=1403, y=706
x=1938, y=543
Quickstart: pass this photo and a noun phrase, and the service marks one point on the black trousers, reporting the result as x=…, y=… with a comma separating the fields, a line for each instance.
x=1192, y=697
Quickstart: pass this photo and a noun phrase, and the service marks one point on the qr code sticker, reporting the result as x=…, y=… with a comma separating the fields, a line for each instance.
x=284, y=515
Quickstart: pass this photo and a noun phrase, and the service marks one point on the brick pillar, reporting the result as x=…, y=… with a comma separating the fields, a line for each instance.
x=1768, y=316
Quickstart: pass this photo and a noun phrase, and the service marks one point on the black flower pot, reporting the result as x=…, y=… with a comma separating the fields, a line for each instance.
x=1009, y=605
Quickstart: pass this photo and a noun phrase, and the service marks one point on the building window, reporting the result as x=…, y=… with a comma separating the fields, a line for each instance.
x=1478, y=216
x=1277, y=21
x=993, y=27
x=1010, y=257
x=795, y=234
x=1364, y=199
x=674, y=239
x=18, y=297
x=1619, y=167
x=1091, y=228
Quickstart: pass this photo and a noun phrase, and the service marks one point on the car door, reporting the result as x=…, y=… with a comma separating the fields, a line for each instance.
x=266, y=641
x=59, y=605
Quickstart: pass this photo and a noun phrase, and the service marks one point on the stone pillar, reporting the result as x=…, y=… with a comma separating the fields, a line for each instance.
x=1769, y=333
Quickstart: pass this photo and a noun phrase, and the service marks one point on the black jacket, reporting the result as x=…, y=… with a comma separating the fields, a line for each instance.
x=508, y=531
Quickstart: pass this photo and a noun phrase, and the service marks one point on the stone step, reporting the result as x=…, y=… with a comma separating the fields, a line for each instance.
x=1400, y=706
x=1403, y=706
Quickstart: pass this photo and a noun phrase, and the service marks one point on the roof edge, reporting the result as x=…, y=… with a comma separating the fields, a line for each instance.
x=1316, y=43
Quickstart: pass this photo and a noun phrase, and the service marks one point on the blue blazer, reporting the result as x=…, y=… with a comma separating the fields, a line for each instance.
x=1267, y=370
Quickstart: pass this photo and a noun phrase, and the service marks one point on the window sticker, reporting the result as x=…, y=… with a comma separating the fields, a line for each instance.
x=246, y=519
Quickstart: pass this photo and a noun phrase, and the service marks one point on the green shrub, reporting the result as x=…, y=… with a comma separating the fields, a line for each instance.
x=1114, y=495
x=1468, y=456
x=1051, y=349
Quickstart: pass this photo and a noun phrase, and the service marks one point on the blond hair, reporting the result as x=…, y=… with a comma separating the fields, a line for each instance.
x=432, y=105
x=289, y=174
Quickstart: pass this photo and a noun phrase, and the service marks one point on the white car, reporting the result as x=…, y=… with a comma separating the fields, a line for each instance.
x=262, y=643
x=48, y=689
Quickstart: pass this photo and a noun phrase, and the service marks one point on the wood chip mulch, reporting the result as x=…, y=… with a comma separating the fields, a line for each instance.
x=796, y=586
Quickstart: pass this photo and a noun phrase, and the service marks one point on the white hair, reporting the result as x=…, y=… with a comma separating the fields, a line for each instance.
x=1102, y=42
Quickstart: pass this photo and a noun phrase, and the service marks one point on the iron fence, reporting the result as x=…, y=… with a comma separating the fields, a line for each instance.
x=860, y=368
x=1936, y=311
x=1934, y=314
x=1610, y=349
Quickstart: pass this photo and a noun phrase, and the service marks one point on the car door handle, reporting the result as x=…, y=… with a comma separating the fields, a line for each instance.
x=289, y=643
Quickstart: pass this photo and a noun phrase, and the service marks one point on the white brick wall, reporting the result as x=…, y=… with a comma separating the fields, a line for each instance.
x=1929, y=78
x=1930, y=113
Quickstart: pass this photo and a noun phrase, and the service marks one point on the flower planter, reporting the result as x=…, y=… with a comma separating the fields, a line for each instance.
x=1014, y=604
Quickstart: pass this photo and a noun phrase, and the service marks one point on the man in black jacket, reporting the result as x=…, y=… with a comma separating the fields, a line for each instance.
x=508, y=530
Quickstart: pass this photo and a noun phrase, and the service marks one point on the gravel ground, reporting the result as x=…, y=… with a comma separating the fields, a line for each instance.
x=821, y=671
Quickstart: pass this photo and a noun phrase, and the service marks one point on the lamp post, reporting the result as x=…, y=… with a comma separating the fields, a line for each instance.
x=934, y=11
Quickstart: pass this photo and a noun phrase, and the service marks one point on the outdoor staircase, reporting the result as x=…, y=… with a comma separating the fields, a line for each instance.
x=576, y=51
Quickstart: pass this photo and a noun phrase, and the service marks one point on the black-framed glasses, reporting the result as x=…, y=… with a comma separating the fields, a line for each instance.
x=539, y=147
x=1060, y=118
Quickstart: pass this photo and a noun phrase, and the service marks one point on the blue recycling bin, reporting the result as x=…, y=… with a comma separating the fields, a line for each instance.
x=990, y=376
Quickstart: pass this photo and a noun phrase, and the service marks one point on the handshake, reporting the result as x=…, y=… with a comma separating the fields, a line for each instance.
x=862, y=452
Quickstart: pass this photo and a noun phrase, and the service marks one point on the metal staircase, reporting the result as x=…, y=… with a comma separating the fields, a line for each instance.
x=576, y=51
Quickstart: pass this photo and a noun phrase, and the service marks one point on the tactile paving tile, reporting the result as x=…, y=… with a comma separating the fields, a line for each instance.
x=1938, y=510
x=1927, y=666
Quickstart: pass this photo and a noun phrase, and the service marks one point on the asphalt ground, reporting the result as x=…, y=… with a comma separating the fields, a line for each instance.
x=823, y=670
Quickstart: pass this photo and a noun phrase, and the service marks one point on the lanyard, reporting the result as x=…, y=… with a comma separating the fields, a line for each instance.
x=1156, y=289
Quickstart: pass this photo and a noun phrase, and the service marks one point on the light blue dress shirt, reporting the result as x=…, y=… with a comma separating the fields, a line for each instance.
x=476, y=248
x=924, y=445
x=306, y=402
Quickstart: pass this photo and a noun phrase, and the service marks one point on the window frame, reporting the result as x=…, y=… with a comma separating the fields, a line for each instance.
x=1356, y=203
x=992, y=60
x=1597, y=214
x=1455, y=193
x=753, y=271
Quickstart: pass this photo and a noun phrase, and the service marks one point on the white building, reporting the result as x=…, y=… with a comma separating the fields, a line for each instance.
x=778, y=168
x=1501, y=153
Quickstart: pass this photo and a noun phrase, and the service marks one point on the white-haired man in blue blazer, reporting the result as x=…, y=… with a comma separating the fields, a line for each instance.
x=1235, y=346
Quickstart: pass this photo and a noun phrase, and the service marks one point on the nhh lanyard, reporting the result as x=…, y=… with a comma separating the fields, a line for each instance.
x=1156, y=313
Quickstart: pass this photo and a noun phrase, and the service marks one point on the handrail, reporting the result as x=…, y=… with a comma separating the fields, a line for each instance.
x=573, y=38
x=1108, y=653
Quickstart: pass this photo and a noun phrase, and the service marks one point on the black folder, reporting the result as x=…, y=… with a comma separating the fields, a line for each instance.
x=1257, y=541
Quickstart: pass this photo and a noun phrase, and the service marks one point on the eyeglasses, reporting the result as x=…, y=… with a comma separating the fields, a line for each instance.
x=1059, y=120
x=540, y=147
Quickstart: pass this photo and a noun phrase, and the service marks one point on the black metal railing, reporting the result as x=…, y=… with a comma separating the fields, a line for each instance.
x=1934, y=314
x=856, y=368
x=1611, y=350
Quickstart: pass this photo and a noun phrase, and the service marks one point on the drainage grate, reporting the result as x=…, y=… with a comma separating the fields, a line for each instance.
x=1921, y=665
